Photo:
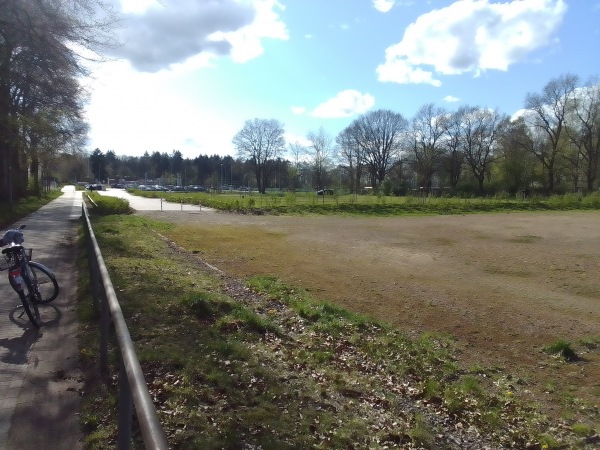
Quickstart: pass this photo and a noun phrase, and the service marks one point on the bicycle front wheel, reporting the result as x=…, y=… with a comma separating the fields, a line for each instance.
x=30, y=305
x=43, y=283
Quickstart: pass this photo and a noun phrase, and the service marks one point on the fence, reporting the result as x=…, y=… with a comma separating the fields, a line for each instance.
x=132, y=385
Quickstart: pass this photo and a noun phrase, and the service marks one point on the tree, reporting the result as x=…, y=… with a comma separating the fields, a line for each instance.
x=320, y=150
x=40, y=97
x=427, y=135
x=258, y=142
x=379, y=134
x=296, y=150
x=480, y=130
x=583, y=129
x=515, y=160
x=452, y=161
x=98, y=164
x=547, y=112
x=351, y=152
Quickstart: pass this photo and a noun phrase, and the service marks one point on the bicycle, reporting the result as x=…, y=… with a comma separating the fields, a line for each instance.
x=33, y=282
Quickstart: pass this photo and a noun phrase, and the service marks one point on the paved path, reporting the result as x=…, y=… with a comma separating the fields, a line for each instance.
x=154, y=204
x=39, y=376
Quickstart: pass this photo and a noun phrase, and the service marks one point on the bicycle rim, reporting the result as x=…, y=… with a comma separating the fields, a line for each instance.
x=44, y=283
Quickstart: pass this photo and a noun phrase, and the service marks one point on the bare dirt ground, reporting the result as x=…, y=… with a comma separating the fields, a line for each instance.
x=504, y=285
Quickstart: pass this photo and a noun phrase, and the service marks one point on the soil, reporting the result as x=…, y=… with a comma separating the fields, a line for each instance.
x=504, y=285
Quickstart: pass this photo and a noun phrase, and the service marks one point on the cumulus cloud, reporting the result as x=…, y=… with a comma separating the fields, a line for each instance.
x=158, y=35
x=471, y=36
x=344, y=104
x=298, y=110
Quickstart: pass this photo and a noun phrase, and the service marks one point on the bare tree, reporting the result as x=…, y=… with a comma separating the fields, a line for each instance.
x=296, y=150
x=351, y=152
x=583, y=129
x=480, y=131
x=427, y=136
x=379, y=134
x=259, y=142
x=547, y=112
x=320, y=152
x=452, y=161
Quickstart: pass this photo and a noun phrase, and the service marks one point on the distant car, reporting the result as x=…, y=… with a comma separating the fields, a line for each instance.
x=244, y=189
x=196, y=188
x=325, y=192
x=95, y=187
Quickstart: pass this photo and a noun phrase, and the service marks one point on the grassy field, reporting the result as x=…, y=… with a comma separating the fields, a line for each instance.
x=260, y=363
x=310, y=203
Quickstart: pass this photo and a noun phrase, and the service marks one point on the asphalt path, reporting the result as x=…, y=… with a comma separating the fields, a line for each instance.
x=40, y=382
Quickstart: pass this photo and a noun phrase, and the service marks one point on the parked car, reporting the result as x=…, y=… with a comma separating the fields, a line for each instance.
x=325, y=192
x=196, y=188
x=94, y=187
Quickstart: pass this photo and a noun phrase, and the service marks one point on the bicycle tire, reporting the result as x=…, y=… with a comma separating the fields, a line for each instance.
x=30, y=305
x=44, y=283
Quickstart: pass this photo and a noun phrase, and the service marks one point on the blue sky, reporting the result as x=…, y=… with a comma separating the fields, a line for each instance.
x=190, y=72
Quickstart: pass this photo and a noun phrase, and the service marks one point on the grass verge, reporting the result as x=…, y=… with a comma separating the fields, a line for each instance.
x=261, y=364
x=309, y=203
x=24, y=207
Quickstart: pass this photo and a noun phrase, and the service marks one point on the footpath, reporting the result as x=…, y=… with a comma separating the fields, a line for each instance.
x=40, y=382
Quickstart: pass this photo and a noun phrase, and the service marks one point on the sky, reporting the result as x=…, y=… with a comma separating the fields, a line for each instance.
x=188, y=73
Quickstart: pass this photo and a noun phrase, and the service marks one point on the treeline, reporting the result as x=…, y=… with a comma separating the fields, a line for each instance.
x=553, y=146
x=41, y=98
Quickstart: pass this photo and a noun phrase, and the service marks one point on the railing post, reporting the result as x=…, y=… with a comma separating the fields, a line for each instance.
x=125, y=409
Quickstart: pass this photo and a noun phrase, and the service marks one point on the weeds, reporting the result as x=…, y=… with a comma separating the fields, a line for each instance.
x=562, y=348
x=267, y=365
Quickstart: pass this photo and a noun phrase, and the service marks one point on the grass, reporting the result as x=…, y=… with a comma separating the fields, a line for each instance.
x=309, y=203
x=23, y=207
x=268, y=365
x=564, y=349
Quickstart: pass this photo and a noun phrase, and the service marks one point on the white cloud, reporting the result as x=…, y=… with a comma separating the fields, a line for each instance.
x=345, y=104
x=451, y=99
x=156, y=35
x=247, y=42
x=471, y=36
x=130, y=121
x=298, y=110
x=383, y=5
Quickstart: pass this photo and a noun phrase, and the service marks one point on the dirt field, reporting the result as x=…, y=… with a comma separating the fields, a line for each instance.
x=505, y=285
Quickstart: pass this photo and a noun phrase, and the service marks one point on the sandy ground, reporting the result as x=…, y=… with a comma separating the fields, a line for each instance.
x=505, y=285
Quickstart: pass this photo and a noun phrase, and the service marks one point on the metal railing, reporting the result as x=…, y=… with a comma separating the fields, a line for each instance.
x=132, y=385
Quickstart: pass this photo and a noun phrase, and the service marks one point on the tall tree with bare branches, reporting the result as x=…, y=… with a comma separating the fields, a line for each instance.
x=259, y=142
x=547, y=112
x=380, y=135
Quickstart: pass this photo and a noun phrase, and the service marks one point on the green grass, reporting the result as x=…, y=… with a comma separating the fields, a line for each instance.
x=280, y=368
x=23, y=207
x=309, y=203
x=563, y=349
x=106, y=205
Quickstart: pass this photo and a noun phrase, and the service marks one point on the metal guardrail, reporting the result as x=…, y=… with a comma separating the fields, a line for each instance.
x=132, y=385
